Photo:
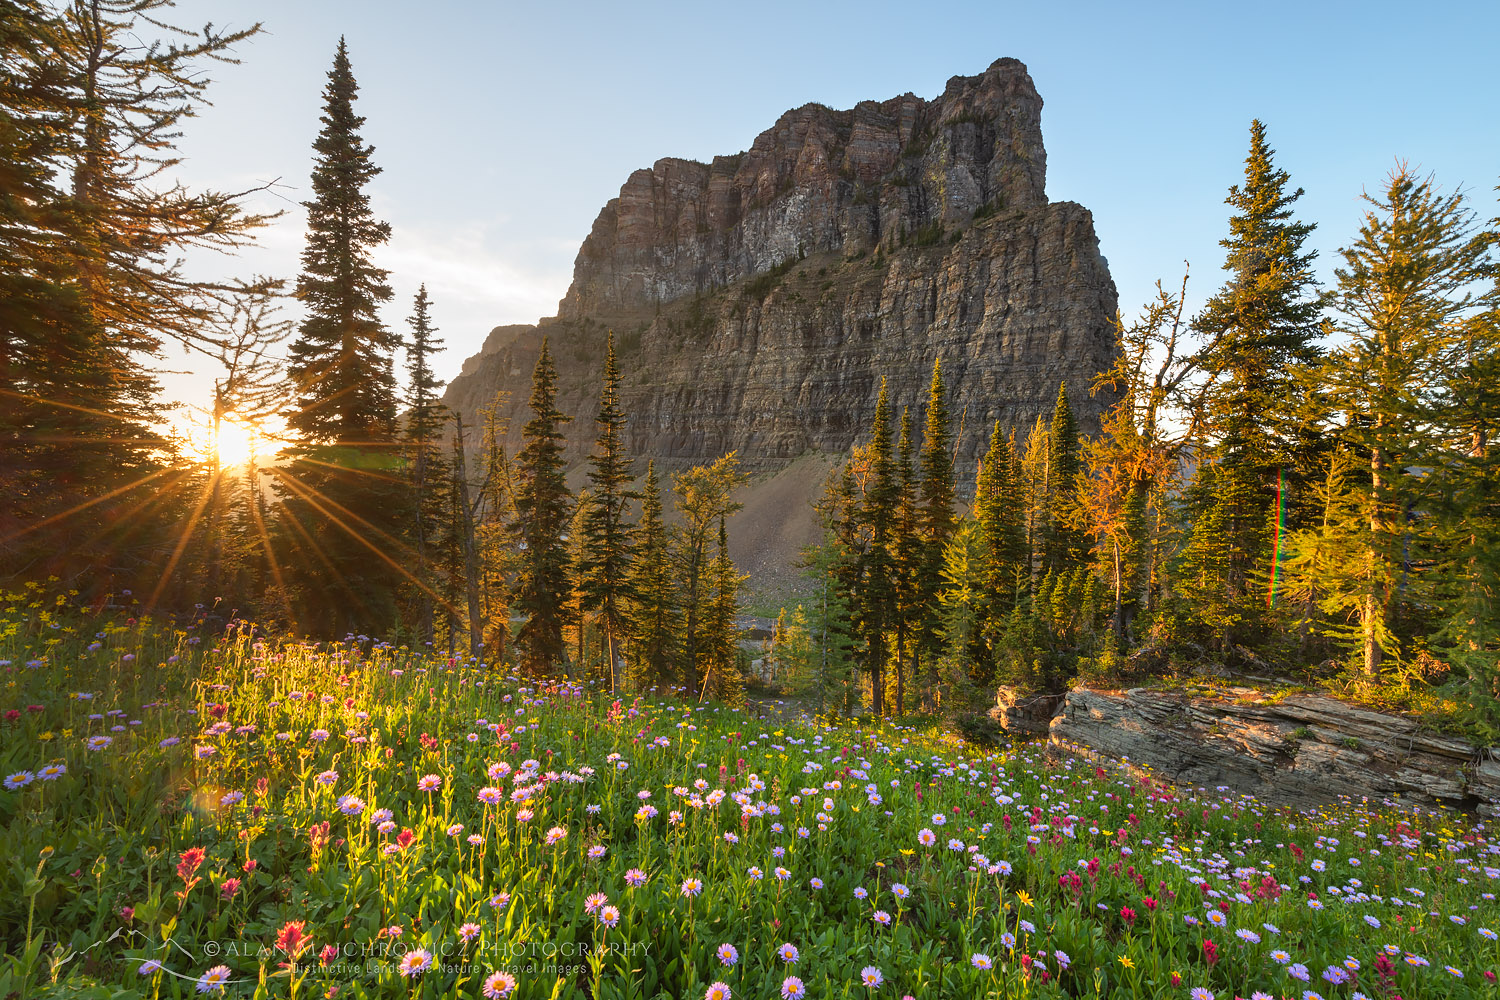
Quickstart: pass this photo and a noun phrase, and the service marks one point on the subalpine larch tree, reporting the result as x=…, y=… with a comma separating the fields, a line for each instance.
x=704, y=497
x=652, y=612
x=1407, y=295
x=543, y=510
x=878, y=586
x=937, y=519
x=608, y=535
x=427, y=467
x=1063, y=544
x=1261, y=327
x=344, y=485
x=91, y=236
x=1470, y=511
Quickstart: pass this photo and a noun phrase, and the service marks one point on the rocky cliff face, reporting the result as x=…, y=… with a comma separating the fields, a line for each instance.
x=1303, y=750
x=758, y=300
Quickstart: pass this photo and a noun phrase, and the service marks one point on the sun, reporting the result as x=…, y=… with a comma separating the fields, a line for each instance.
x=235, y=444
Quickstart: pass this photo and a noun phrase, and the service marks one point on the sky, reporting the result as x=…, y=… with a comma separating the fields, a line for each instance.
x=503, y=128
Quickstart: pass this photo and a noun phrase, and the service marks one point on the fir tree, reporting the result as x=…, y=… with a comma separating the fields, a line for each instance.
x=542, y=514
x=937, y=518
x=877, y=594
x=830, y=677
x=91, y=283
x=430, y=479
x=997, y=508
x=1062, y=545
x=341, y=360
x=344, y=489
x=909, y=560
x=654, y=615
x=608, y=541
x=1262, y=327
x=1267, y=319
x=723, y=679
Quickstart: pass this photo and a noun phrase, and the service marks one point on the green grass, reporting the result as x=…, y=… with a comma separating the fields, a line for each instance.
x=1060, y=855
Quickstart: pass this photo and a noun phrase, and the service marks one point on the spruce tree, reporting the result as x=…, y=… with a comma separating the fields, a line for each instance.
x=877, y=597
x=344, y=486
x=1261, y=328
x=1062, y=543
x=341, y=360
x=427, y=468
x=1267, y=319
x=653, y=614
x=723, y=680
x=997, y=509
x=909, y=559
x=607, y=535
x=937, y=517
x=542, y=511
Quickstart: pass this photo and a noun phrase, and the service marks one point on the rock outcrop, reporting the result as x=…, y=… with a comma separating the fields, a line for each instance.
x=758, y=300
x=1301, y=750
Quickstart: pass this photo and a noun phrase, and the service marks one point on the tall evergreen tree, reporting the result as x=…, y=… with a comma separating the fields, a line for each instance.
x=997, y=509
x=341, y=360
x=937, y=518
x=1267, y=319
x=608, y=536
x=1063, y=545
x=1261, y=328
x=344, y=485
x=909, y=559
x=542, y=509
x=877, y=594
x=722, y=677
x=430, y=479
x=654, y=615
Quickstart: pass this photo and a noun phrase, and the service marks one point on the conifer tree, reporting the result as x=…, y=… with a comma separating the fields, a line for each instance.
x=607, y=535
x=937, y=517
x=723, y=680
x=1261, y=328
x=704, y=496
x=877, y=595
x=654, y=615
x=1266, y=321
x=341, y=361
x=831, y=674
x=909, y=559
x=430, y=479
x=1062, y=545
x=1470, y=509
x=1407, y=295
x=999, y=518
x=344, y=490
x=91, y=106
x=542, y=511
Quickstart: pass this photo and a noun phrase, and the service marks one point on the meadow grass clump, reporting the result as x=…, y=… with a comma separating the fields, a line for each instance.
x=196, y=809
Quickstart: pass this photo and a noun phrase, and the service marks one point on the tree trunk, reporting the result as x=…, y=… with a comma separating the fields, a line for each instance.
x=1372, y=615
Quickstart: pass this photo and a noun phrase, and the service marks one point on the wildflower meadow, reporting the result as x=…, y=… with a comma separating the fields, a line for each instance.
x=198, y=808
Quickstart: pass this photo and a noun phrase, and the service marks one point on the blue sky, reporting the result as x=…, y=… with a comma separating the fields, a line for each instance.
x=503, y=128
